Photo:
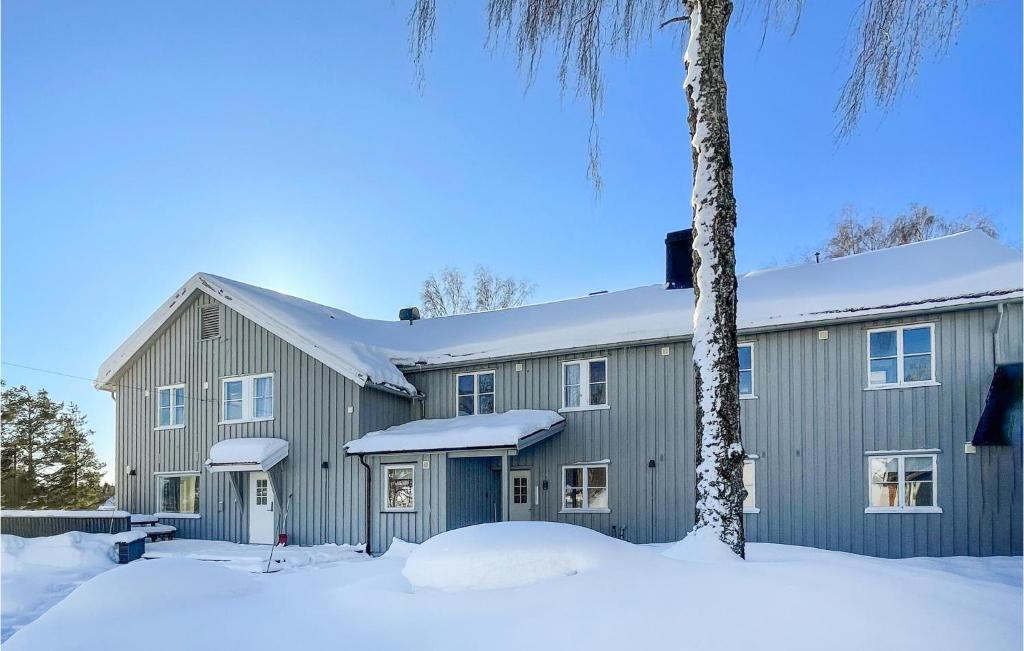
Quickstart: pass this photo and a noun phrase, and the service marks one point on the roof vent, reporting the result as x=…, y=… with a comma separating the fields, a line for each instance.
x=598, y=292
x=209, y=322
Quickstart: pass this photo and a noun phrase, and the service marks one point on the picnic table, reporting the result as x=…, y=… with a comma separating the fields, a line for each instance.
x=150, y=525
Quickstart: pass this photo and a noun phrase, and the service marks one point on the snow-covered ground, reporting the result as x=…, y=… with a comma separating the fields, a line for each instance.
x=544, y=585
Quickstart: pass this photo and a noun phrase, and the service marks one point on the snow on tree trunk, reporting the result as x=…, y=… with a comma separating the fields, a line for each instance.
x=720, y=491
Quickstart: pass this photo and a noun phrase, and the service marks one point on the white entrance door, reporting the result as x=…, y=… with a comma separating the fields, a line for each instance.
x=519, y=504
x=261, y=509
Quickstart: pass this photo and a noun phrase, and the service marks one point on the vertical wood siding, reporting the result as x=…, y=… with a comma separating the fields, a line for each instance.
x=474, y=491
x=311, y=404
x=810, y=426
x=430, y=488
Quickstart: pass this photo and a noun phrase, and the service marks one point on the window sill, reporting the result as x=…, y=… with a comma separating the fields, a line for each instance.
x=747, y=396
x=573, y=511
x=564, y=410
x=162, y=428
x=910, y=509
x=247, y=420
x=180, y=516
x=751, y=509
x=911, y=385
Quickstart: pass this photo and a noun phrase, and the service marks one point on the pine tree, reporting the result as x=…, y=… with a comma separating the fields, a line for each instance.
x=75, y=480
x=28, y=432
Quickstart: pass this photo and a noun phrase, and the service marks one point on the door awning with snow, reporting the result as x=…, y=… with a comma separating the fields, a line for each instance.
x=241, y=455
x=516, y=429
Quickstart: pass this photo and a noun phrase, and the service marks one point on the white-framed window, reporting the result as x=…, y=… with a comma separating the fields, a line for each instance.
x=902, y=483
x=901, y=356
x=746, y=355
x=178, y=494
x=247, y=398
x=585, y=488
x=400, y=487
x=750, y=502
x=474, y=393
x=170, y=406
x=585, y=384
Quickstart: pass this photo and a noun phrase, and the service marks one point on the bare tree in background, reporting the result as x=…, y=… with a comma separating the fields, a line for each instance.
x=855, y=235
x=893, y=36
x=449, y=294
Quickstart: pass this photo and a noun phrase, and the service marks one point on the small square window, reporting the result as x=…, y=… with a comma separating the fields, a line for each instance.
x=901, y=356
x=901, y=482
x=178, y=493
x=585, y=384
x=585, y=488
x=474, y=393
x=399, y=488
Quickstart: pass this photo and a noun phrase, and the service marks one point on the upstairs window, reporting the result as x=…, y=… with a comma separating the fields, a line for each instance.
x=585, y=384
x=247, y=398
x=901, y=356
x=746, y=355
x=475, y=393
x=171, y=407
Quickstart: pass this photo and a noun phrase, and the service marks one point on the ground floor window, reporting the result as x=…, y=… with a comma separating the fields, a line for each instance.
x=750, y=501
x=400, y=488
x=178, y=493
x=585, y=487
x=903, y=482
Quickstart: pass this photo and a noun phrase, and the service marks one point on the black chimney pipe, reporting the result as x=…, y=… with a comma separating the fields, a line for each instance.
x=679, y=259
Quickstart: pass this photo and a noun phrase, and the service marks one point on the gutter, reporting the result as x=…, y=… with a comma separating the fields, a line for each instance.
x=995, y=333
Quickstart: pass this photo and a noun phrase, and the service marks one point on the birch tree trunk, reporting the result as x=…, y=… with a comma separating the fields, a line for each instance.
x=720, y=491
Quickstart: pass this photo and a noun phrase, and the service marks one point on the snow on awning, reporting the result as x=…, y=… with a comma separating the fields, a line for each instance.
x=513, y=429
x=235, y=455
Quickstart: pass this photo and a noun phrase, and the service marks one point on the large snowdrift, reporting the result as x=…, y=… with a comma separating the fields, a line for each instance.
x=510, y=554
x=781, y=597
x=955, y=270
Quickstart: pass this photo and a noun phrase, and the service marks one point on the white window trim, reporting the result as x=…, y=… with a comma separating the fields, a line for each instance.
x=174, y=473
x=584, y=386
x=585, y=487
x=248, y=399
x=476, y=391
x=900, y=384
x=902, y=482
x=387, y=485
x=753, y=393
x=171, y=388
x=753, y=492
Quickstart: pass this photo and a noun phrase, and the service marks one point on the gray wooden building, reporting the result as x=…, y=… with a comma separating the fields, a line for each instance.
x=880, y=410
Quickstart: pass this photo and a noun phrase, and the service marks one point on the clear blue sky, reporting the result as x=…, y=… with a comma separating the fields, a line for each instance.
x=286, y=145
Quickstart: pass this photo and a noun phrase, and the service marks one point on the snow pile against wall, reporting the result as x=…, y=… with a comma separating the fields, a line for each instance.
x=510, y=554
x=955, y=270
x=478, y=431
x=37, y=572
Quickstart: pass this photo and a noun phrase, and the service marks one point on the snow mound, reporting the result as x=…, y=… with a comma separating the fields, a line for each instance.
x=510, y=554
x=701, y=546
x=399, y=549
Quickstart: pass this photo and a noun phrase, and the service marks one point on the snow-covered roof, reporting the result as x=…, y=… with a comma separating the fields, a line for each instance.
x=950, y=271
x=246, y=454
x=513, y=429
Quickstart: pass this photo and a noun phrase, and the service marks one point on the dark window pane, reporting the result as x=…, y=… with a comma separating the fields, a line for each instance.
x=883, y=371
x=746, y=383
x=917, y=340
x=465, y=385
x=574, y=498
x=919, y=494
x=744, y=357
x=465, y=405
x=917, y=368
x=486, y=403
x=883, y=344
x=597, y=477
x=597, y=371
x=918, y=468
x=597, y=394
x=574, y=477
x=486, y=383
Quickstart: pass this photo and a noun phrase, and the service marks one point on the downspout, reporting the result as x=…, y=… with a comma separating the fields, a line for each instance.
x=995, y=333
x=369, y=485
